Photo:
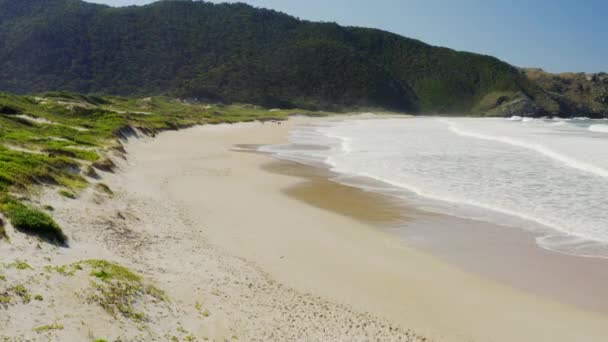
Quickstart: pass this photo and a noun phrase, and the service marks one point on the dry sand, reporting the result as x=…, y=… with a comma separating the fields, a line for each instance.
x=249, y=249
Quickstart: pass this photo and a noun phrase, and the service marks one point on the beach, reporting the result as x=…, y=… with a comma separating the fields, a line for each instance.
x=253, y=248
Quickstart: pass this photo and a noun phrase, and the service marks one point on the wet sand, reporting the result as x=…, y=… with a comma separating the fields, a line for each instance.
x=505, y=254
x=318, y=191
x=511, y=256
x=333, y=241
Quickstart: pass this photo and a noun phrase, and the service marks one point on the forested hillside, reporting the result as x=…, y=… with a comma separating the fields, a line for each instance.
x=238, y=53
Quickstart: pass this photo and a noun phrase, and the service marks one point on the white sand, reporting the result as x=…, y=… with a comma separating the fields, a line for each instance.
x=241, y=259
x=213, y=294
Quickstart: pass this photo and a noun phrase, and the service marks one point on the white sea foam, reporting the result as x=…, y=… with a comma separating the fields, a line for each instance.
x=558, y=123
x=549, y=178
x=540, y=148
x=599, y=128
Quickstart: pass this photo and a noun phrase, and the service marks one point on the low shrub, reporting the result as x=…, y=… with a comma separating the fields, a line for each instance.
x=2, y=230
x=48, y=327
x=67, y=194
x=104, y=165
x=117, y=289
x=104, y=188
x=32, y=221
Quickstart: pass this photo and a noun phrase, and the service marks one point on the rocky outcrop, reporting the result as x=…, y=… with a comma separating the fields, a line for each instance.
x=519, y=104
x=578, y=94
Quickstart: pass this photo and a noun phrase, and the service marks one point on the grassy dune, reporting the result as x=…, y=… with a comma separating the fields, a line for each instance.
x=62, y=139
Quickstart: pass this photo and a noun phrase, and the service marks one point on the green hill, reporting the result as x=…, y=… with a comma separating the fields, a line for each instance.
x=238, y=53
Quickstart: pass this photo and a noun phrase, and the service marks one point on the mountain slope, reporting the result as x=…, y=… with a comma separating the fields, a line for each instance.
x=238, y=53
x=579, y=93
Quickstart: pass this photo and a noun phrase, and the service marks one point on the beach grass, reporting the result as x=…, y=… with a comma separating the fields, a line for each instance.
x=31, y=220
x=48, y=327
x=62, y=139
x=118, y=289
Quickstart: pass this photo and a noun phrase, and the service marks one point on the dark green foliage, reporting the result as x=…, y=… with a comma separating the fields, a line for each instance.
x=9, y=110
x=2, y=230
x=235, y=53
x=67, y=194
x=104, y=165
x=32, y=221
x=93, y=100
x=578, y=93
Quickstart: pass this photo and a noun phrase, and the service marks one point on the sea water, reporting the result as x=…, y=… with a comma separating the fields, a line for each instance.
x=549, y=176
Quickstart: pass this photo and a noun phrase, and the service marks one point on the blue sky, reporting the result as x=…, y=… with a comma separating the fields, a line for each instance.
x=556, y=35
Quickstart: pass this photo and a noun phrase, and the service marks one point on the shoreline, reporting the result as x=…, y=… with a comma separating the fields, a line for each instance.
x=511, y=255
x=320, y=259
x=251, y=248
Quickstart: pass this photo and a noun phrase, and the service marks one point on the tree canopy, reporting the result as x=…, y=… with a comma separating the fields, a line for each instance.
x=237, y=53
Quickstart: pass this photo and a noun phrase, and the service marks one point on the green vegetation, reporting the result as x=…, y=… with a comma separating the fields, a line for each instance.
x=107, y=271
x=66, y=270
x=22, y=292
x=31, y=220
x=67, y=194
x=16, y=291
x=576, y=93
x=3, y=235
x=115, y=288
x=118, y=289
x=66, y=137
x=20, y=265
x=48, y=327
x=104, y=165
x=235, y=53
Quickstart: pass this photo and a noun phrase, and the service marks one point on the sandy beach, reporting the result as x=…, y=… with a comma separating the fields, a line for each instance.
x=251, y=248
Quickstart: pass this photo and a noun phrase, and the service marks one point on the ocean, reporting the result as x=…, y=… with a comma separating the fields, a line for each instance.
x=547, y=176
